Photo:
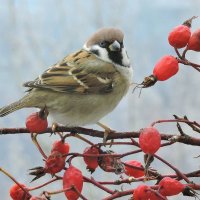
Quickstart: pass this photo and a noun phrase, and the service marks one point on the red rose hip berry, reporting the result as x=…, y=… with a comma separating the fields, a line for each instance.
x=165, y=68
x=17, y=193
x=149, y=140
x=179, y=36
x=133, y=171
x=142, y=192
x=60, y=146
x=194, y=42
x=54, y=163
x=169, y=186
x=72, y=178
x=37, y=122
x=91, y=162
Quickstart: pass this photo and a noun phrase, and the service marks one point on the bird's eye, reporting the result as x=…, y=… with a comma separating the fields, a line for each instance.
x=103, y=44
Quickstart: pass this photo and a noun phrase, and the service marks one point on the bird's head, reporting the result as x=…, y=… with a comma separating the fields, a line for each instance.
x=107, y=44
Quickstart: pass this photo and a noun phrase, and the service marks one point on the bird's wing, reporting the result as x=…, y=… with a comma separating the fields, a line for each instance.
x=72, y=76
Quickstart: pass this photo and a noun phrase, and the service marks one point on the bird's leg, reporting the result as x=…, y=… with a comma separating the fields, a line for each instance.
x=54, y=128
x=107, y=130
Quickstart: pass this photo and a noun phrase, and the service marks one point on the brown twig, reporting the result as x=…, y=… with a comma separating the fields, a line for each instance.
x=179, y=173
x=100, y=134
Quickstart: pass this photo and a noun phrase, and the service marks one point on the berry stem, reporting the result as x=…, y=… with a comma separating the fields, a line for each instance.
x=15, y=181
x=34, y=139
x=88, y=180
x=82, y=138
x=186, y=62
x=184, y=53
x=65, y=190
x=44, y=184
x=158, y=194
x=175, y=120
x=177, y=52
x=189, y=21
x=179, y=173
x=43, y=113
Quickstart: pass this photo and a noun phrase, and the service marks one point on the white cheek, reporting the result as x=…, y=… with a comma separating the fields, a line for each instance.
x=126, y=71
x=103, y=54
x=125, y=60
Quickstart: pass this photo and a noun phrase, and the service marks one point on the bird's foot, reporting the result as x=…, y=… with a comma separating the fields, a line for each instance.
x=107, y=131
x=54, y=127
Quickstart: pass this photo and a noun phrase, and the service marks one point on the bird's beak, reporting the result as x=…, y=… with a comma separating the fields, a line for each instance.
x=115, y=46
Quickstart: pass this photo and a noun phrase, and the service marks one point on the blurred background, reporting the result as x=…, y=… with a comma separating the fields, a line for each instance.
x=35, y=34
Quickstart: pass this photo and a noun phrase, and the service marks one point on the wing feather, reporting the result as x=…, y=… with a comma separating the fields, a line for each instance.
x=71, y=75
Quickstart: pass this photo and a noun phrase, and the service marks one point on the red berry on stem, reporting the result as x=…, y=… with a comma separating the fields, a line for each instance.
x=142, y=192
x=194, y=42
x=169, y=186
x=149, y=140
x=54, y=163
x=133, y=172
x=37, y=122
x=165, y=68
x=179, y=36
x=17, y=193
x=91, y=162
x=72, y=178
x=61, y=147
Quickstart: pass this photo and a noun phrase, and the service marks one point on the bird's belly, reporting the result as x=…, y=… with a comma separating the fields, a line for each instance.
x=81, y=110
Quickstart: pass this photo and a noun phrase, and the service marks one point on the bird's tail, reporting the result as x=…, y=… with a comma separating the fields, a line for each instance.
x=12, y=107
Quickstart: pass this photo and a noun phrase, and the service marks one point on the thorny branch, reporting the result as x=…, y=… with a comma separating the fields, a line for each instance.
x=152, y=174
x=112, y=135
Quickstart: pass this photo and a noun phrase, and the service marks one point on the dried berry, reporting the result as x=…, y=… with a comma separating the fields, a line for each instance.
x=110, y=163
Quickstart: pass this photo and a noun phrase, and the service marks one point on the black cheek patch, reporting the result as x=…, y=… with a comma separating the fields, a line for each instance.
x=94, y=51
x=116, y=57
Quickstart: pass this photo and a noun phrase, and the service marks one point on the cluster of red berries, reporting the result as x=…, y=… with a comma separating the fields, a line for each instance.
x=149, y=141
x=168, y=65
x=55, y=162
x=166, y=187
x=181, y=36
x=72, y=178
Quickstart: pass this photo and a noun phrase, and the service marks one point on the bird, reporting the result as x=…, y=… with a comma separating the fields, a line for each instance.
x=84, y=86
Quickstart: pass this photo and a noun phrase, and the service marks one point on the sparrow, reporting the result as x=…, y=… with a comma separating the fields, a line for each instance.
x=84, y=86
